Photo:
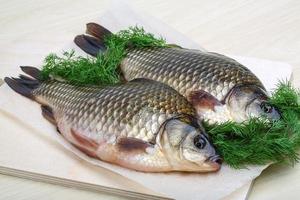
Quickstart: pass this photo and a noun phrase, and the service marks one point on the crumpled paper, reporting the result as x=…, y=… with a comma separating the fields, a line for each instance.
x=174, y=185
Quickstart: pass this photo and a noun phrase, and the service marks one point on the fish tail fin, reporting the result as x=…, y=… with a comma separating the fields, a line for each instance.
x=97, y=31
x=25, y=85
x=93, y=43
x=31, y=71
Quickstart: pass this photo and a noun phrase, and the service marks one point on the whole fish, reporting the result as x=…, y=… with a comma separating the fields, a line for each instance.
x=219, y=87
x=146, y=127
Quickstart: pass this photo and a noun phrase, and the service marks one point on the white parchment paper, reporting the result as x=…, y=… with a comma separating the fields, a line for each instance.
x=175, y=185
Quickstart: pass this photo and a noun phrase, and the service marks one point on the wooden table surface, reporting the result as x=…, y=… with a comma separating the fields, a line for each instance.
x=264, y=29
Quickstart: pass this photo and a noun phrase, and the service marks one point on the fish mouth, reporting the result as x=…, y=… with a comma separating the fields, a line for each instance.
x=215, y=162
x=213, y=166
x=215, y=158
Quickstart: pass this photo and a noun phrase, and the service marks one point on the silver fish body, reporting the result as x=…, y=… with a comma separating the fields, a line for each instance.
x=188, y=70
x=142, y=125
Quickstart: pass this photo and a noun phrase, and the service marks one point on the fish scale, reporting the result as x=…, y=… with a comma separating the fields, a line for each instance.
x=110, y=108
x=202, y=70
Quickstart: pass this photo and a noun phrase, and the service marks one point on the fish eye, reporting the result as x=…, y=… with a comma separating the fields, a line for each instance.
x=199, y=142
x=266, y=107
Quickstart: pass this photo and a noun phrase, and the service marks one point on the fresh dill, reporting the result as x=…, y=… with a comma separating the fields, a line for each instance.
x=104, y=68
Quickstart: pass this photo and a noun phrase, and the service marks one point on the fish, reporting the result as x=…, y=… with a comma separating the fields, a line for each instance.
x=142, y=125
x=220, y=88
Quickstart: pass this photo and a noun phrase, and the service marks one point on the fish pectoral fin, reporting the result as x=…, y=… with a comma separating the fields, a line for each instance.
x=48, y=114
x=132, y=144
x=137, y=154
x=201, y=99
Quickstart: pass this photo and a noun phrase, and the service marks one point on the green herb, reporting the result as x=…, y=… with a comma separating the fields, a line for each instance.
x=80, y=70
x=102, y=69
x=258, y=142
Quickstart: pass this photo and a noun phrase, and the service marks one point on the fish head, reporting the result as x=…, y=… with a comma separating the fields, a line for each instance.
x=250, y=101
x=188, y=147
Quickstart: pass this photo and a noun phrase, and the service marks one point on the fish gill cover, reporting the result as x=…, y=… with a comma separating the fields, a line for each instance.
x=255, y=142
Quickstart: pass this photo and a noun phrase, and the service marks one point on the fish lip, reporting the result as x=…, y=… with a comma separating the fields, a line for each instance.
x=215, y=158
x=214, y=166
x=214, y=162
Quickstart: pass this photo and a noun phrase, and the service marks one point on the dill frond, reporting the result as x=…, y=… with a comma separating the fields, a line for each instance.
x=102, y=70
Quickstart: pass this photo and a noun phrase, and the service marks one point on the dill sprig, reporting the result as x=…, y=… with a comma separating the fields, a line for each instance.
x=104, y=68
x=80, y=70
x=259, y=141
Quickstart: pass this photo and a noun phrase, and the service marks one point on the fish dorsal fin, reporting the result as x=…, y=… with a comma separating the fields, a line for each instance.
x=204, y=100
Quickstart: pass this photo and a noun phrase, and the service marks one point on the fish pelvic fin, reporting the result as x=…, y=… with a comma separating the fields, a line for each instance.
x=25, y=85
x=93, y=43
